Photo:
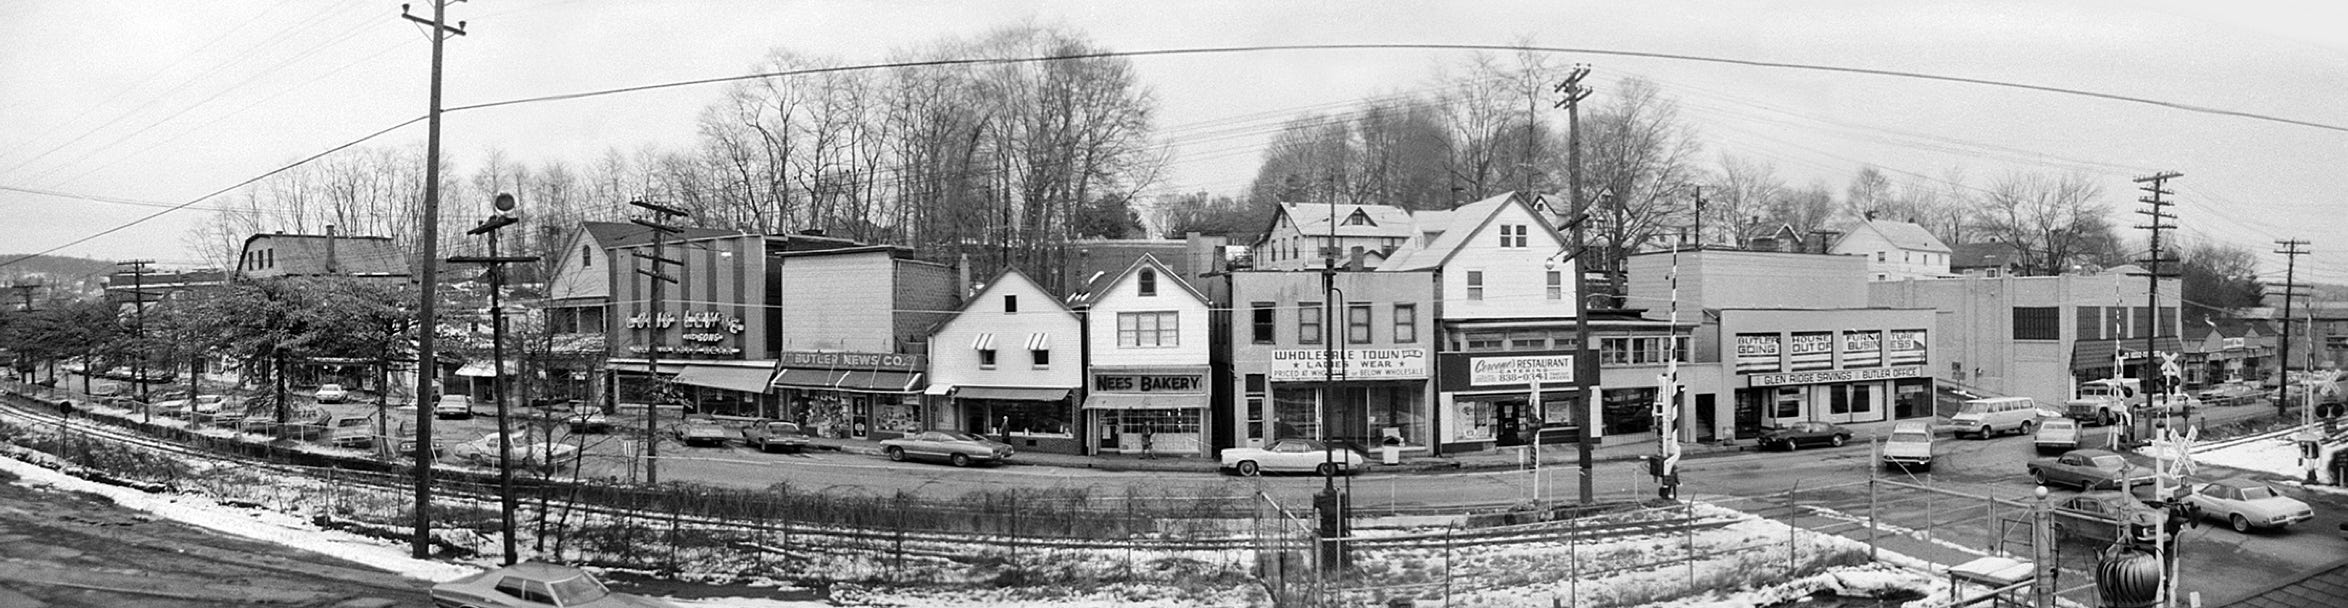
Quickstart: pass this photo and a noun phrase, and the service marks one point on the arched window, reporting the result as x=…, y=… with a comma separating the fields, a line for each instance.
x=586, y=256
x=1149, y=282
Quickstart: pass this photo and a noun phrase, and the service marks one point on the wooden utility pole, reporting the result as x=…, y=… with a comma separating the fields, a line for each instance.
x=428, y=279
x=2291, y=252
x=1585, y=364
x=2153, y=188
x=660, y=232
x=138, y=295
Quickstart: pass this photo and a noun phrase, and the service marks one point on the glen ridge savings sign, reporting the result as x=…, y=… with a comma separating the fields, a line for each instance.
x=1353, y=364
x=1837, y=375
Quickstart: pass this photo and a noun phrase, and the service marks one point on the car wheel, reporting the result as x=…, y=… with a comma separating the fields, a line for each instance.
x=897, y=454
x=1326, y=469
x=1986, y=432
x=2240, y=524
x=2026, y=427
x=1791, y=445
x=765, y=448
x=1248, y=468
x=2039, y=477
x=960, y=460
x=2105, y=417
x=1838, y=440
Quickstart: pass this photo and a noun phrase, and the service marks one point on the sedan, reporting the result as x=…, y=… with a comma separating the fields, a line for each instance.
x=2100, y=516
x=2056, y=434
x=524, y=453
x=1295, y=456
x=2090, y=470
x=702, y=430
x=534, y=584
x=766, y=435
x=590, y=421
x=331, y=393
x=2246, y=504
x=1794, y=436
x=955, y=447
x=453, y=406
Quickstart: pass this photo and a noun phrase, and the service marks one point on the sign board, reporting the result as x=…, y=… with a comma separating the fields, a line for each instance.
x=1904, y=347
x=1352, y=364
x=1490, y=371
x=1757, y=353
x=1810, y=350
x=1149, y=383
x=1838, y=375
x=882, y=361
x=1862, y=348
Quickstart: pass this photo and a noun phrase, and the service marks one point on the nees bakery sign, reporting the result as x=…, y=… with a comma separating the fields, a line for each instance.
x=1148, y=383
x=1837, y=375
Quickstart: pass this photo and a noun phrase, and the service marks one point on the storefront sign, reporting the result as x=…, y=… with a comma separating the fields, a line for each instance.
x=829, y=360
x=1353, y=364
x=643, y=320
x=1839, y=375
x=1862, y=348
x=1487, y=371
x=691, y=349
x=1810, y=350
x=1905, y=347
x=1148, y=383
x=1757, y=353
x=2233, y=344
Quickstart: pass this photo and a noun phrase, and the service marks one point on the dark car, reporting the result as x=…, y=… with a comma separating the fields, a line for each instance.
x=2101, y=516
x=2091, y=470
x=1794, y=436
x=955, y=447
x=766, y=435
x=590, y=421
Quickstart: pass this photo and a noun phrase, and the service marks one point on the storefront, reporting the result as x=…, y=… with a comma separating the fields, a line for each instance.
x=730, y=388
x=852, y=395
x=1148, y=410
x=1491, y=399
x=1840, y=376
x=1374, y=397
x=1027, y=417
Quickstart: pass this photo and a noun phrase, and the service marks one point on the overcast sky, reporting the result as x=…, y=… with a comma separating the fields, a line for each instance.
x=141, y=102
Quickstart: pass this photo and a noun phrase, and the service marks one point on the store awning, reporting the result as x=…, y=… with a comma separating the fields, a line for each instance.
x=745, y=379
x=481, y=369
x=1144, y=401
x=939, y=389
x=2092, y=354
x=794, y=377
x=1011, y=394
x=879, y=381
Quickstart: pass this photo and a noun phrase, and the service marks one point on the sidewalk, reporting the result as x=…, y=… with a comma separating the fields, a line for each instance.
x=1507, y=458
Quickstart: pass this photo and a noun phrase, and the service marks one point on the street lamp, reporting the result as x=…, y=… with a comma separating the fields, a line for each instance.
x=496, y=265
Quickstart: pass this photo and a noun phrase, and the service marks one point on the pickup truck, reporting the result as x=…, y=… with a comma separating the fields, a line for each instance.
x=2090, y=470
x=766, y=435
x=2104, y=401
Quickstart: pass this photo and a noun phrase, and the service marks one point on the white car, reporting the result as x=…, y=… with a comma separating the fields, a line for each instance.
x=525, y=453
x=453, y=406
x=1293, y=456
x=331, y=393
x=1910, y=446
x=2246, y=504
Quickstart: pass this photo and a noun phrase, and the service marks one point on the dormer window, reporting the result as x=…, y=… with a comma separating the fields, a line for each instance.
x=1148, y=282
x=1359, y=218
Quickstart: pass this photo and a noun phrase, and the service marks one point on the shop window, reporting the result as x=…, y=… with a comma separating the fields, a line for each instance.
x=1043, y=358
x=1308, y=323
x=1556, y=285
x=2037, y=323
x=1406, y=323
x=1293, y=414
x=1475, y=285
x=1148, y=330
x=1788, y=403
x=1357, y=323
x=1628, y=410
x=1263, y=323
x=1528, y=340
x=1148, y=282
x=1029, y=417
x=986, y=358
x=1485, y=341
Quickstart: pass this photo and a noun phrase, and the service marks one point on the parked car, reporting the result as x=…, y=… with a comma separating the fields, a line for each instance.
x=2056, y=434
x=702, y=430
x=351, y=431
x=766, y=435
x=525, y=453
x=1910, y=446
x=535, y=584
x=589, y=421
x=2090, y=469
x=2228, y=393
x=2246, y=504
x=955, y=447
x=1293, y=456
x=2098, y=517
x=1985, y=418
x=453, y=406
x=1794, y=436
x=331, y=393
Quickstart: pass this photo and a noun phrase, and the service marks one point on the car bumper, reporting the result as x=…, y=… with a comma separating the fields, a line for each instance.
x=1908, y=460
x=2052, y=445
x=2278, y=522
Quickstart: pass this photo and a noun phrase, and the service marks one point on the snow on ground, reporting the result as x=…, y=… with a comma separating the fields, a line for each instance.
x=2277, y=456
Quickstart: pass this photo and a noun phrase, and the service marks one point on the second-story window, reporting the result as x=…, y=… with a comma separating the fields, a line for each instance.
x=1148, y=282
x=1043, y=357
x=1308, y=323
x=1263, y=324
x=1406, y=323
x=1556, y=285
x=586, y=257
x=986, y=358
x=1357, y=323
x=1148, y=330
x=1475, y=285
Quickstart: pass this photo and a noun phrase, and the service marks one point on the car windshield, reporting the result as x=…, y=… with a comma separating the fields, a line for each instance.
x=959, y=436
x=578, y=590
x=2258, y=492
x=783, y=427
x=1911, y=437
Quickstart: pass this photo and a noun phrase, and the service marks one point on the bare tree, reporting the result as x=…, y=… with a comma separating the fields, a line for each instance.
x=1639, y=153
x=2053, y=219
x=1743, y=194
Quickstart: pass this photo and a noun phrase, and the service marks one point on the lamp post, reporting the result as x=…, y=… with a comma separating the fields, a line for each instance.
x=496, y=265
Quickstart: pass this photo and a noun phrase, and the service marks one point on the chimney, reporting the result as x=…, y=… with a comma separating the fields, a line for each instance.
x=330, y=266
x=962, y=278
x=1353, y=261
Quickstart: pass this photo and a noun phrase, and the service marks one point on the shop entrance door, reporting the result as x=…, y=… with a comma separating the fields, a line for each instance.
x=1507, y=428
x=860, y=416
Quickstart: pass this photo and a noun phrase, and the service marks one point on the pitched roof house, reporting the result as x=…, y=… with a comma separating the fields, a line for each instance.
x=1895, y=250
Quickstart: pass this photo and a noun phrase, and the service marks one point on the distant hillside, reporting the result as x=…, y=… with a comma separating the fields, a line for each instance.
x=57, y=274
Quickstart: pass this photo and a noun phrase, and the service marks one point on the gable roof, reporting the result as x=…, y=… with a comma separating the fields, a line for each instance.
x=1092, y=292
x=1903, y=235
x=353, y=255
x=1312, y=219
x=997, y=283
x=1463, y=225
x=622, y=234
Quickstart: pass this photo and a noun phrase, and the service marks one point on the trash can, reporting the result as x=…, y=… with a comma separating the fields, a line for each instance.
x=1390, y=454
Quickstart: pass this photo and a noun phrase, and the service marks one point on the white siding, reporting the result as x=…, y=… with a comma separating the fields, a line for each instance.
x=954, y=362
x=575, y=279
x=1515, y=278
x=837, y=302
x=1125, y=296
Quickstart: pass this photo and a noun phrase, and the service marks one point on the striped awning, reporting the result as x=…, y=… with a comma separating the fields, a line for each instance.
x=984, y=341
x=1039, y=341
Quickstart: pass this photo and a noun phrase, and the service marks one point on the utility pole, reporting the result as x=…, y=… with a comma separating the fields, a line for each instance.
x=1700, y=217
x=2154, y=190
x=428, y=279
x=2291, y=252
x=138, y=294
x=660, y=232
x=25, y=291
x=505, y=445
x=1584, y=364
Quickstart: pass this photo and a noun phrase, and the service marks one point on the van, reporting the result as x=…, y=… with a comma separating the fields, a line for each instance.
x=1987, y=418
x=1909, y=447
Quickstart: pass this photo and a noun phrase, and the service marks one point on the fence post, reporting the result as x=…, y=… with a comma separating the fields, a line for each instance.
x=1873, y=526
x=1688, y=537
x=1447, y=566
x=1793, y=525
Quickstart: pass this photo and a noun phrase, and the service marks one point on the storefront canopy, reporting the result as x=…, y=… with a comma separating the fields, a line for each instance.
x=745, y=379
x=1144, y=401
x=1011, y=394
x=878, y=381
x=482, y=369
